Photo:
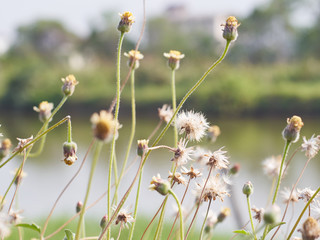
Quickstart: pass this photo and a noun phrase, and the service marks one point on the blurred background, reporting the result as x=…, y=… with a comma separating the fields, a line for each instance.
x=271, y=73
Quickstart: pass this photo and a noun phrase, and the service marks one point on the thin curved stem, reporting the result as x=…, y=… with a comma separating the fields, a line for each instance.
x=93, y=166
x=180, y=213
x=64, y=189
x=303, y=211
x=205, y=219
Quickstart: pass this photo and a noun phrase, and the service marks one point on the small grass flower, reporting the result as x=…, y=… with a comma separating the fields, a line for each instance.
x=165, y=113
x=213, y=132
x=20, y=175
x=182, y=153
x=258, y=213
x=192, y=173
x=286, y=192
x=216, y=188
x=22, y=143
x=177, y=178
x=69, y=84
x=194, y=125
x=160, y=185
x=306, y=194
x=5, y=225
x=200, y=155
x=217, y=159
x=69, y=152
x=104, y=125
x=230, y=31
x=134, y=57
x=5, y=146
x=174, y=58
x=310, y=229
x=124, y=218
x=291, y=132
x=127, y=19
x=44, y=110
x=311, y=146
x=271, y=166
x=225, y=212
x=142, y=147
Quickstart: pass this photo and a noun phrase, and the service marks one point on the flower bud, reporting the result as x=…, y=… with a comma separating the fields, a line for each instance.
x=44, y=110
x=247, y=188
x=104, y=221
x=272, y=215
x=134, y=57
x=160, y=185
x=291, y=132
x=142, y=146
x=225, y=212
x=234, y=169
x=5, y=146
x=79, y=206
x=69, y=84
x=126, y=22
x=69, y=152
x=174, y=59
x=230, y=32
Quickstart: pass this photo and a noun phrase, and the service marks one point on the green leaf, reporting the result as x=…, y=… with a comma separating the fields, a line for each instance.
x=69, y=235
x=32, y=226
x=242, y=231
x=272, y=226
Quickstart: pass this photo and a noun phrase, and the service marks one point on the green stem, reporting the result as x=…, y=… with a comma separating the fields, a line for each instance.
x=265, y=232
x=93, y=166
x=69, y=134
x=174, y=105
x=164, y=130
x=286, y=148
x=26, y=146
x=303, y=211
x=160, y=223
x=116, y=115
x=250, y=215
x=205, y=219
x=180, y=213
x=136, y=207
x=116, y=180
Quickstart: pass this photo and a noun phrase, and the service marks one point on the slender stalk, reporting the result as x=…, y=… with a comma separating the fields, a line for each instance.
x=205, y=219
x=187, y=187
x=155, y=130
x=136, y=207
x=180, y=213
x=174, y=105
x=250, y=215
x=116, y=180
x=303, y=211
x=133, y=128
x=199, y=202
x=286, y=148
x=164, y=130
x=116, y=115
x=119, y=231
x=93, y=166
x=294, y=186
x=69, y=133
x=65, y=188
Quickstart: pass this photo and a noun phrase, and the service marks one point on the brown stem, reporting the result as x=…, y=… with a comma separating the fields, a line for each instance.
x=156, y=129
x=199, y=202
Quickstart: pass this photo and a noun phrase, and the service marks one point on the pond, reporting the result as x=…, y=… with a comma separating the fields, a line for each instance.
x=248, y=142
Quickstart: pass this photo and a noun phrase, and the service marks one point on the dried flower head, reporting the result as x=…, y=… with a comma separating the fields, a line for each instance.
x=69, y=152
x=182, y=153
x=5, y=146
x=215, y=187
x=160, y=185
x=271, y=166
x=5, y=225
x=165, y=113
x=213, y=132
x=311, y=146
x=288, y=197
x=104, y=126
x=174, y=58
x=20, y=174
x=291, y=132
x=69, y=84
x=192, y=173
x=44, y=110
x=177, y=178
x=306, y=194
x=310, y=229
x=230, y=31
x=315, y=206
x=200, y=155
x=15, y=217
x=22, y=143
x=127, y=19
x=258, y=213
x=194, y=125
x=217, y=159
x=134, y=57
x=124, y=218
x=142, y=146
x=212, y=219
x=225, y=212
